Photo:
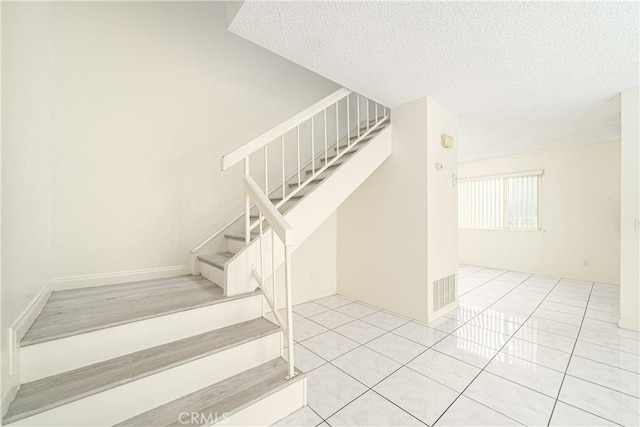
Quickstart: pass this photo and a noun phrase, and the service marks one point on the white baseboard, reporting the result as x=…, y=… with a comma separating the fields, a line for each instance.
x=101, y=279
x=16, y=332
x=385, y=305
x=438, y=314
x=629, y=324
x=29, y=315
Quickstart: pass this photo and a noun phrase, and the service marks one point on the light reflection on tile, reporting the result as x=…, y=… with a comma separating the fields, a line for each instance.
x=520, y=328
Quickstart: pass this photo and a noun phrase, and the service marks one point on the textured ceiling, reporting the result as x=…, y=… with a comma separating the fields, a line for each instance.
x=521, y=75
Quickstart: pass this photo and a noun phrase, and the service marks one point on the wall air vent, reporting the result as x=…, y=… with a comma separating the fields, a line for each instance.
x=444, y=292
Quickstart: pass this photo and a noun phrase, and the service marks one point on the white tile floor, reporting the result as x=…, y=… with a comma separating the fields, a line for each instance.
x=521, y=350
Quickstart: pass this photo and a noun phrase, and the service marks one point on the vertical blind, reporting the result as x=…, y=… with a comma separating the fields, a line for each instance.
x=500, y=202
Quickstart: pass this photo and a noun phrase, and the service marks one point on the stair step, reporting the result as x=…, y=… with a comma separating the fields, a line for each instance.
x=217, y=260
x=275, y=200
x=333, y=156
x=314, y=181
x=42, y=395
x=226, y=397
x=333, y=166
x=77, y=311
x=239, y=236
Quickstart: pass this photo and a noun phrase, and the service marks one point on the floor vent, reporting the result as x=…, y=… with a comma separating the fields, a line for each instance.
x=444, y=292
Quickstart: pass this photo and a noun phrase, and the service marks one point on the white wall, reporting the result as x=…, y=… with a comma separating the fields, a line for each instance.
x=27, y=57
x=442, y=198
x=384, y=226
x=630, y=212
x=147, y=97
x=580, y=215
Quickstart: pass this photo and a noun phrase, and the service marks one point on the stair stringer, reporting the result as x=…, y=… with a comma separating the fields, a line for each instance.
x=306, y=216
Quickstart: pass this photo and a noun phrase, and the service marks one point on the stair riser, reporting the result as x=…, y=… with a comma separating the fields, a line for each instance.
x=121, y=403
x=234, y=245
x=271, y=409
x=212, y=273
x=57, y=356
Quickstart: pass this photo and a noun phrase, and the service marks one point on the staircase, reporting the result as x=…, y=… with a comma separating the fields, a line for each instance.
x=206, y=349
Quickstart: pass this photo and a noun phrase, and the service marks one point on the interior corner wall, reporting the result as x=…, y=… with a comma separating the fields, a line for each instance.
x=148, y=96
x=580, y=215
x=314, y=264
x=442, y=200
x=382, y=226
x=630, y=212
x=27, y=56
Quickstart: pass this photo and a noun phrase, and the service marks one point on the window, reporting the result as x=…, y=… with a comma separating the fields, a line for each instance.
x=500, y=202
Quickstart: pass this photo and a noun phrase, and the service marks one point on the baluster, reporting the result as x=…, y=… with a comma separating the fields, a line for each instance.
x=262, y=278
x=326, y=155
x=359, y=125
x=348, y=123
x=368, y=115
x=266, y=172
x=247, y=207
x=273, y=270
x=282, y=157
x=376, y=113
x=313, y=148
x=298, y=143
x=337, y=132
x=287, y=284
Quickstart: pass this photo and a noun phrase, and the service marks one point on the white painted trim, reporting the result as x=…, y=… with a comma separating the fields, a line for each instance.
x=61, y=355
x=629, y=324
x=113, y=278
x=504, y=175
x=252, y=146
x=31, y=312
x=272, y=408
x=213, y=274
x=16, y=332
x=120, y=403
x=7, y=397
x=399, y=310
x=444, y=310
x=266, y=208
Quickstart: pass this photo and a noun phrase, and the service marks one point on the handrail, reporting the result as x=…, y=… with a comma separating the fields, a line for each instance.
x=255, y=144
x=264, y=205
x=270, y=301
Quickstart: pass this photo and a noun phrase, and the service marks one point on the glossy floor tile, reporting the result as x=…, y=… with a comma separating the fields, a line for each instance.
x=465, y=412
x=453, y=373
x=524, y=405
x=422, y=397
x=373, y=410
x=520, y=350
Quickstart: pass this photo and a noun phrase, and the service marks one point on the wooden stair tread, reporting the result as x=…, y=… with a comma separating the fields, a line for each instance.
x=41, y=395
x=78, y=311
x=277, y=199
x=226, y=397
x=216, y=260
x=239, y=236
x=312, y=182
x=333, y=156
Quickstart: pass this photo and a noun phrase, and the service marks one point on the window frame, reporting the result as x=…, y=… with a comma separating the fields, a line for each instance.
x=465, y=222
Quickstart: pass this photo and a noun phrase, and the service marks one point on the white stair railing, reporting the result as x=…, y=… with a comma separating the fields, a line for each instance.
x=348, y=109
x=341, y=103
x=280, y=228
